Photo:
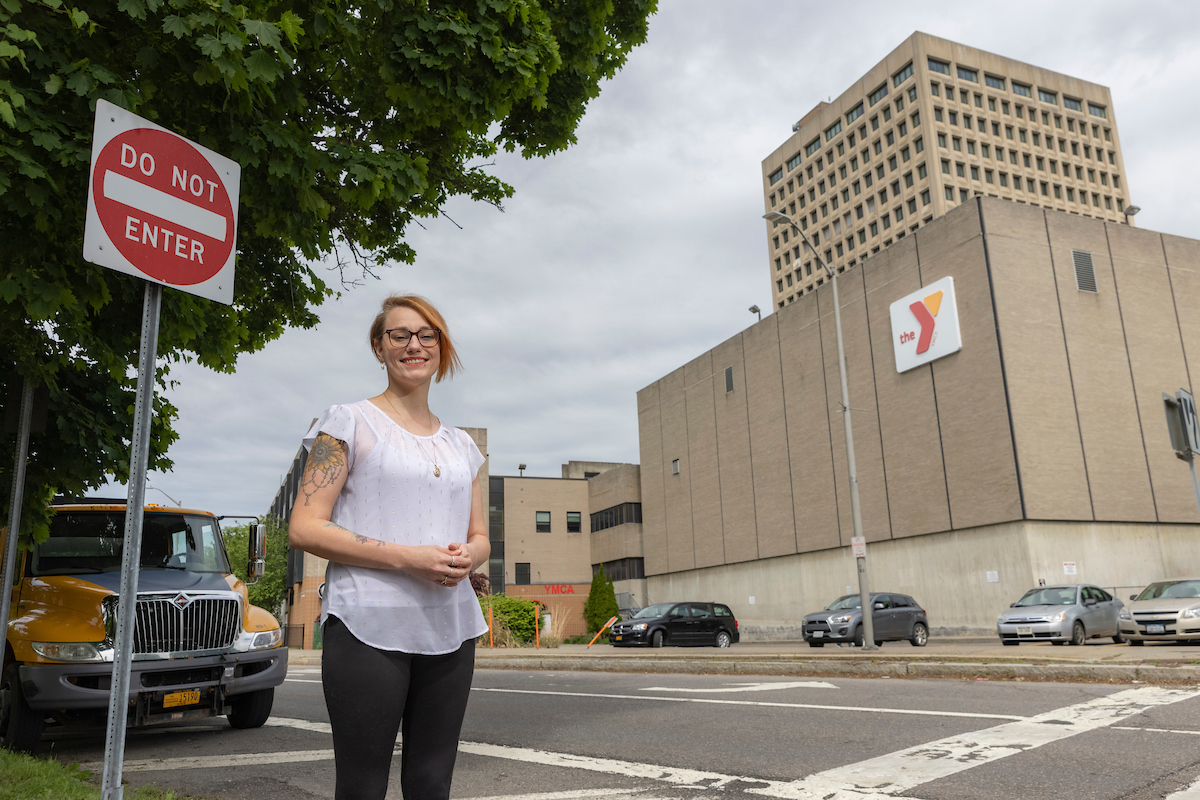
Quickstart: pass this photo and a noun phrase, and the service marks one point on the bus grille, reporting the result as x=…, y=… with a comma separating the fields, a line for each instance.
x=180, y=622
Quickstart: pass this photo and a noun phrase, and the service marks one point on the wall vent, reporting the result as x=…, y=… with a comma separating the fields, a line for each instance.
x=675, y=467
x=728, y=380
x=1085, y=272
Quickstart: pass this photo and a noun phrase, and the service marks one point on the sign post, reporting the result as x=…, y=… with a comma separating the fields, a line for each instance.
x=164, y=209
x=1183, y=426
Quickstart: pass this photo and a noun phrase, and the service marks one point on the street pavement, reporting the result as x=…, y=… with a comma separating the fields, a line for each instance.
x=551, y=734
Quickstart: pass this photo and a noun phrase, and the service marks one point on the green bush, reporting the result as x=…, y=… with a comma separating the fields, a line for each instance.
x=516, y=613
x=601, y=603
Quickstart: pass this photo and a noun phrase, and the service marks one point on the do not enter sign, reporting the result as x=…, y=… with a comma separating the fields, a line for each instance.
x=161, y=207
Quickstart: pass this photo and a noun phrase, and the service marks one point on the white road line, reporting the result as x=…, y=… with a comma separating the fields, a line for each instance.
x=911, y=711
x=894, y=773
x=299, y=680
x=301, y=724
x=571, y=795
x=1153, y=730
x=676, y=776
x=1188, y=793
x=216, y=762
x=748, y=687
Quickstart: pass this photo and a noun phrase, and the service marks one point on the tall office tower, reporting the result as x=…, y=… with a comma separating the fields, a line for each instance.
x=930, y=126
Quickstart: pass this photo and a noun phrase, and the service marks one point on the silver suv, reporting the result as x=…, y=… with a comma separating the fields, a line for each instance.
x=896, y=617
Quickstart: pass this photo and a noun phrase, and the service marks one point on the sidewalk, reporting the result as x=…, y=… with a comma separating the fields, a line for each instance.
x=945, y=657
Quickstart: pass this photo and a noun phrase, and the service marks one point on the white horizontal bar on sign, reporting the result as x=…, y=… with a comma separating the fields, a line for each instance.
x=166, y=206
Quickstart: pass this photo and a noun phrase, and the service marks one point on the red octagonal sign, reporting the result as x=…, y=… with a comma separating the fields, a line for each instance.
x=160, y=206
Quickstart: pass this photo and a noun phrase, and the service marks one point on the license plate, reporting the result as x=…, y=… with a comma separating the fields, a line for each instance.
x=188, y=698
x=1156, y=629
x=1024, y=630
x=818, y=634
x=617, y=638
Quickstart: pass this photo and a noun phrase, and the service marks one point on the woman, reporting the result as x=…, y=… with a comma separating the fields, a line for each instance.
x=391, y=497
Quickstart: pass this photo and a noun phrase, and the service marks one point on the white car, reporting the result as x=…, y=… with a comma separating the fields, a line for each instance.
x=1168, y=610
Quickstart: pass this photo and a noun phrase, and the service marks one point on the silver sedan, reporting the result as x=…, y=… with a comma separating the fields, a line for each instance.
x=1060, y=615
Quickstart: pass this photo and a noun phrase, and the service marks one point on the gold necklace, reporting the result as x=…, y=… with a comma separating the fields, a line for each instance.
x=437, y=471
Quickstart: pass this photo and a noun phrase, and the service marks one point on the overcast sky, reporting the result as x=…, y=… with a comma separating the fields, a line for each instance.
x=643, y=246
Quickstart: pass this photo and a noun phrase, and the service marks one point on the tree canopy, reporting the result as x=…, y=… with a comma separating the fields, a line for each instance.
x=351, y=119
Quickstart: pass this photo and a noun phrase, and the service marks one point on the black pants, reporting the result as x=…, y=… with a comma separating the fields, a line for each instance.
x=371, y=694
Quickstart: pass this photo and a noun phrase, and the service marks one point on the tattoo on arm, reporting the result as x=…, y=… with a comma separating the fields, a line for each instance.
x=325, y=463
x=358, y=537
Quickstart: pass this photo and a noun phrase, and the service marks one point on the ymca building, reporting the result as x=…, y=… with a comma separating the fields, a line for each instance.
x=1032, y=448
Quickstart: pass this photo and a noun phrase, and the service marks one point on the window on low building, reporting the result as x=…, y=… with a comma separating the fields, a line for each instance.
x=543, y=521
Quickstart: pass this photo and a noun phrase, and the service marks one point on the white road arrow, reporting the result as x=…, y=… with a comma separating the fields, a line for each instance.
x=748, y=687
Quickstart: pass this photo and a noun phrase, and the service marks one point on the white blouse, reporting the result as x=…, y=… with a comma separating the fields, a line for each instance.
x=392, y=495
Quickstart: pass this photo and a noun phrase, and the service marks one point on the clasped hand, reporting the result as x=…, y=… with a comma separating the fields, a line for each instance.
x=445, y=566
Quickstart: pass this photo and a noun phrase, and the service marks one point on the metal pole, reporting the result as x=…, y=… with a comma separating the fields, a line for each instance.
x=864, y=587
x=18, y=496
x=1195, y=485
x=139, y=455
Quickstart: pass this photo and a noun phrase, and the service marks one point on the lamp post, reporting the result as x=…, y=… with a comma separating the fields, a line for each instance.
x=754, y=309
x=1131, y=211
x=864, y=589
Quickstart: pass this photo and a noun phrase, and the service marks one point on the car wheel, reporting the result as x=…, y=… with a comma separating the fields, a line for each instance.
x=251, y=710
x=1008, y=643
x=20, y=725
x=816, y=644
x=723, y=639
x=657, y=639
x=1136, y=642
x=1078, y=634
x=1118, y=639
x=858, y=636
x=920, y=635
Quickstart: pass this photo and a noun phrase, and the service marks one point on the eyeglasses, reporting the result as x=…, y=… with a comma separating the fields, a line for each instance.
x=428, y=337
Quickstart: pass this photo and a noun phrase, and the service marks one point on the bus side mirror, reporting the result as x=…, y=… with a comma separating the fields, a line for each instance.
x=256, y=567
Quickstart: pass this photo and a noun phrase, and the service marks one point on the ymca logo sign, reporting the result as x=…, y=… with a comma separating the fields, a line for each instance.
x=925, y=325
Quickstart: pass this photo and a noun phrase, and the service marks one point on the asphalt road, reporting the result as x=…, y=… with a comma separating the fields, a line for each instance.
x=560, y=735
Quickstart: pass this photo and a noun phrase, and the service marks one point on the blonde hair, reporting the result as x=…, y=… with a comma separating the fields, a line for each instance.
x=449, y=357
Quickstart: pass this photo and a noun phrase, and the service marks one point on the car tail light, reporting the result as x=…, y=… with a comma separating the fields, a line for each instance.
x=735, y=625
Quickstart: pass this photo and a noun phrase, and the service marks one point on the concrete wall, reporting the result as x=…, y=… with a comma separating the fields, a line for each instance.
x=622, y=484
x=1086, y=370
x=557, y=557
x=947, y=573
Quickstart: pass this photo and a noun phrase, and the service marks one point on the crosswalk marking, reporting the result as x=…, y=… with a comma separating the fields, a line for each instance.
x=1187, y=793
x=904, y=770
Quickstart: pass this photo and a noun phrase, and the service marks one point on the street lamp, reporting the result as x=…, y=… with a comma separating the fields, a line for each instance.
x=521, y=468
x=1131, y=211
x=864, y=590
x=755, y=310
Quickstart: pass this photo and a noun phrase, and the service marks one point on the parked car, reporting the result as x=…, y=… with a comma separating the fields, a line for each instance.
x=1060, y=615
x=895, y=617
x=1163, y=610
x=688, y=623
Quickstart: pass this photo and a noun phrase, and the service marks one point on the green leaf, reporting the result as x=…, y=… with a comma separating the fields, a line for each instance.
x=292, y=26
x=262, y=66
x=10, y=50
x=176, y=26
x=79, y=18
x=134, y=8
x=265, y=32
x=53, y=84
x=6, y=114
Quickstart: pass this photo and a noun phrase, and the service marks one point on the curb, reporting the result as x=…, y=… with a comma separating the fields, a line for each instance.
x=857, y=669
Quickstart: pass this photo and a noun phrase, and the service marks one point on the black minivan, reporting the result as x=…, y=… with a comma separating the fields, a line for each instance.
x=702, y=624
